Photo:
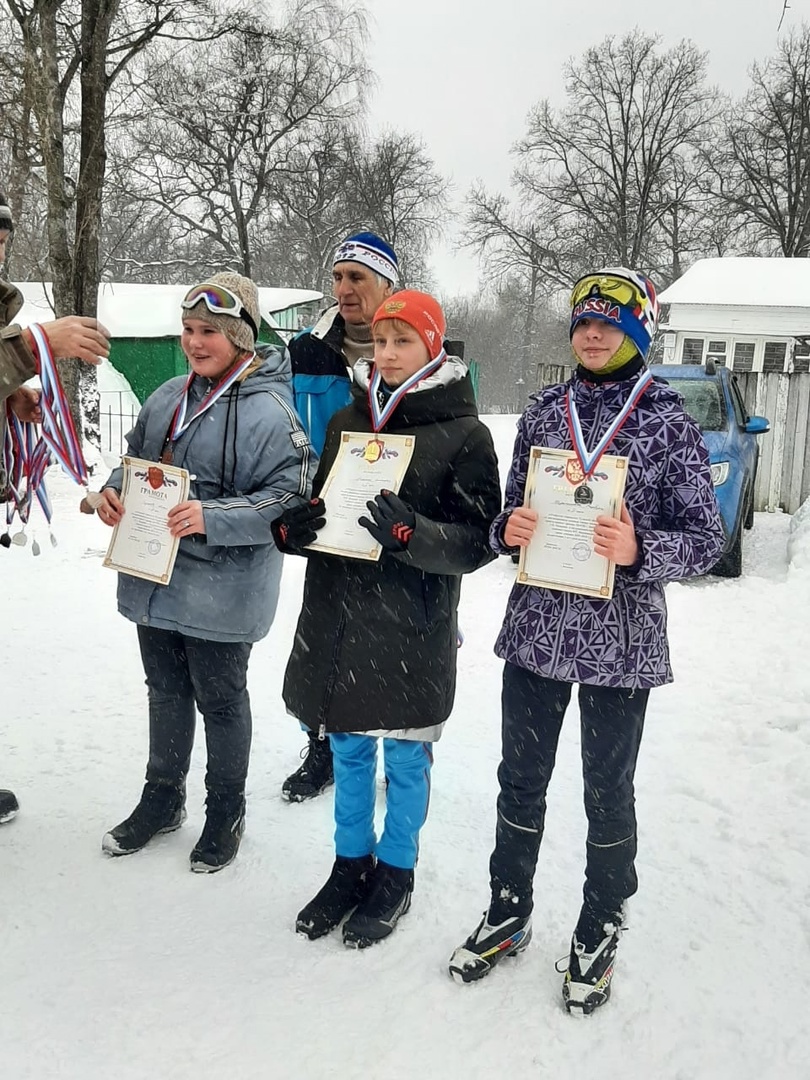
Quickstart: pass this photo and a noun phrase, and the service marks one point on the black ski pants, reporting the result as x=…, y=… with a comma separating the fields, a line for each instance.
x=185, y=673
x=611, y=721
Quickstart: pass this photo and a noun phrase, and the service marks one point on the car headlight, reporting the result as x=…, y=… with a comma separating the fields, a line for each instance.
x=719, y=473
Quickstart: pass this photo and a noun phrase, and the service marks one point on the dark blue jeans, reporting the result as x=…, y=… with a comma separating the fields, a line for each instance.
x=183, y=672
x=611, y=722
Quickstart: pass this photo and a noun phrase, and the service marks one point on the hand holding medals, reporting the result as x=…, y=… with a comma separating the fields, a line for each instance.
x=29, y=450
x=26, y=406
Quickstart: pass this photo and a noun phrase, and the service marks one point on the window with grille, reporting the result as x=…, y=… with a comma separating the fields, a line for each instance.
x=692, y=350
x=774, y=358
x=717, y=352
x=801, y=357
x=744, y=356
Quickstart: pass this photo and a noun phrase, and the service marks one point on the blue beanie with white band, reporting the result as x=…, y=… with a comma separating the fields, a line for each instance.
x=370, y=250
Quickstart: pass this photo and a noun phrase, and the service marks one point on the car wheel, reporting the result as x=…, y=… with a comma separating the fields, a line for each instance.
x=731, y=563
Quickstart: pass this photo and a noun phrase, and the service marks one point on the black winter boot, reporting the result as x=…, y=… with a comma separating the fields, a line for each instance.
x=224, y=825
x=314, y=776
x=162, y=809
x=8, y=806
x=343, y=891
x=387, y=900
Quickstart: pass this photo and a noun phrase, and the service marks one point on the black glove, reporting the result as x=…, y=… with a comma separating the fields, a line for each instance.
x=393, y=523
x=297, y=527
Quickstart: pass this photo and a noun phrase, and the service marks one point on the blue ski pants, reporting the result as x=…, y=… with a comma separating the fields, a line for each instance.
x=407, y=774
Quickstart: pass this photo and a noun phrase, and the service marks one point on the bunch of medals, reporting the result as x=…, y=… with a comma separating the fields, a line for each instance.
x=28, y=450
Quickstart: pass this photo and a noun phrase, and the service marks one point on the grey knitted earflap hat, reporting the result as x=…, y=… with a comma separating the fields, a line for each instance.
x=239, y=327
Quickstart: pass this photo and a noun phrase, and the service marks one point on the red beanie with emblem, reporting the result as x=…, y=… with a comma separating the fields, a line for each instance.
x=418, y=310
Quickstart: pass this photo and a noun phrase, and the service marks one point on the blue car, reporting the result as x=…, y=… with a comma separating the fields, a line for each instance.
x=711, y=396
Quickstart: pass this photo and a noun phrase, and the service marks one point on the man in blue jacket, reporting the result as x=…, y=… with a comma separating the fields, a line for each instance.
x=364, y=273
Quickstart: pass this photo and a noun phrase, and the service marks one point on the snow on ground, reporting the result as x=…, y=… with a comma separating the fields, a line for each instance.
x=135, y=968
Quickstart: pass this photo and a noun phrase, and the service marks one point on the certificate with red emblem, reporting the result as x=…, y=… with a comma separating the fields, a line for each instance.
x=141, y=543
x=366, y=464
x=561, y=553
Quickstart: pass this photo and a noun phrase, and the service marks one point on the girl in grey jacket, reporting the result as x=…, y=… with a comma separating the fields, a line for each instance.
x=231, y=425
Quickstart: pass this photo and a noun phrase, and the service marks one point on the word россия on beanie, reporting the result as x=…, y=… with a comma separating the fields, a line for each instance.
x=625, y=298
x=372, y=251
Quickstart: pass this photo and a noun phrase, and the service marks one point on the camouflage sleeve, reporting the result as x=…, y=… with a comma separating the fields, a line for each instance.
x=17, y=362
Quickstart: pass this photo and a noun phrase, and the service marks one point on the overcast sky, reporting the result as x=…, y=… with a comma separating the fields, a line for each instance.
x=464, y=73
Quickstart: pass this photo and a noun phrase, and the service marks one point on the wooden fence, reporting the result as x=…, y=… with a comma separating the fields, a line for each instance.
x=783, y=480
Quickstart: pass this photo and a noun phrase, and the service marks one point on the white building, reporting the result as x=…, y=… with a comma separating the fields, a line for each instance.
x=131, y=310
x=750, y=314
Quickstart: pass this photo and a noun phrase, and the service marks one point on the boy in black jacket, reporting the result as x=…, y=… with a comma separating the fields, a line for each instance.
x=375, y=648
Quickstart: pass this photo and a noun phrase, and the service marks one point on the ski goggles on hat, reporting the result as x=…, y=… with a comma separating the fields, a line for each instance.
x=219, y=301
x=619, y=289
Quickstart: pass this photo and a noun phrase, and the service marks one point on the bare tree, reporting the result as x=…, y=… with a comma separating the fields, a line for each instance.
x=395, y=189
x=313, y=207
x=610, y=178
x=606, y=169
x=490, y=324
x=516, y=248
x=72, y=51
x=228, y=124
x=20, y=176
x=763, y=173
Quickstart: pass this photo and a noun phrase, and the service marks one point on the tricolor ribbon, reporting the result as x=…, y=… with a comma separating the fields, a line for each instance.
x=180, y=424
x=587, y=460
x=58, y=430
x=15, y=465
x=25, y=455
x=382, y=404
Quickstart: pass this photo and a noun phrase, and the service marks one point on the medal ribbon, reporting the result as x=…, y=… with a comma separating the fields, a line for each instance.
x=58, y=430
x=38, y=459
x=381, y=414
x=14, y=465
x=180, y=424
x=26, y=455
x=589, y=461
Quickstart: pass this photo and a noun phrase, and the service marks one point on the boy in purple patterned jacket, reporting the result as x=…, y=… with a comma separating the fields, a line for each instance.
x=616, y=649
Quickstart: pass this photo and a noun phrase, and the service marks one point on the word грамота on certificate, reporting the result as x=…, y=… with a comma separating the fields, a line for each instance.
x=365, y=465
x=561, y=554
x=141, y=543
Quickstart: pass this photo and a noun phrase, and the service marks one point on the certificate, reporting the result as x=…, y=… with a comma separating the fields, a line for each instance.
x=365, y=465
x=560, y=554
x=141, y=543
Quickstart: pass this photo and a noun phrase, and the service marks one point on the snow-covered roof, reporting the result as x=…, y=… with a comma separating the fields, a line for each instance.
x=130, y=310
x=743, y=282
